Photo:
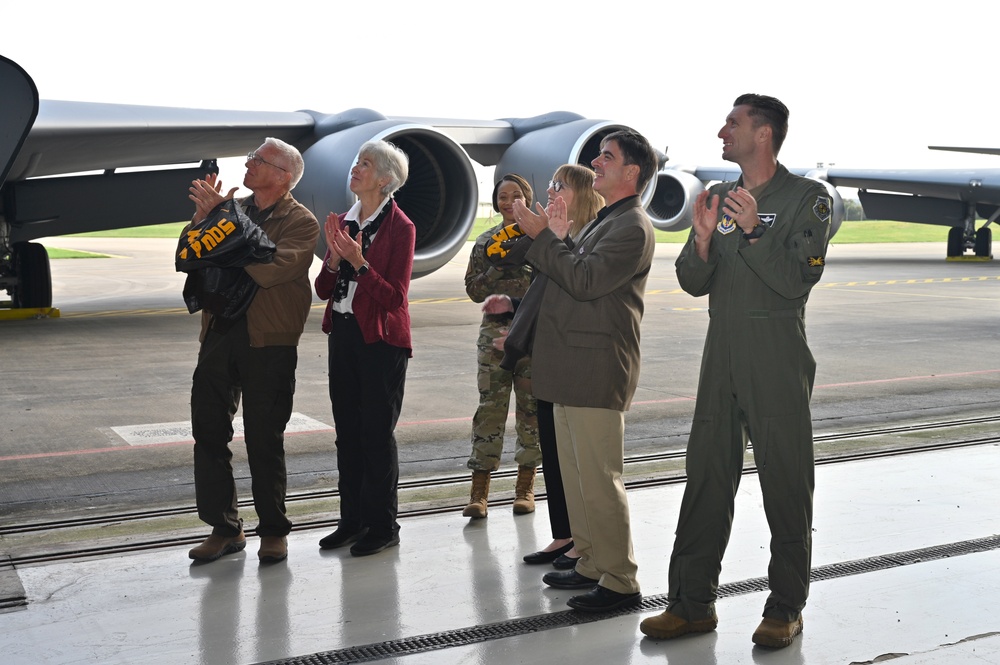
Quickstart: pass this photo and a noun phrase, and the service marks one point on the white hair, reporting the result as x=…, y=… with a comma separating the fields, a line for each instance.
x=292, y=158
x=390, y=162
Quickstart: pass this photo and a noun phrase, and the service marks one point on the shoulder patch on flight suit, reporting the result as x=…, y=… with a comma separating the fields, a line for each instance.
x=816, y=261
x=822, y=208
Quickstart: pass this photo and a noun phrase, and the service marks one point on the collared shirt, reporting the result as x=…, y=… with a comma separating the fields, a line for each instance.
x=346, y=304
x=256, y=215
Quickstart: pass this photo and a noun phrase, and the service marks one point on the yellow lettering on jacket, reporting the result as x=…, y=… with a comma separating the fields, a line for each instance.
x=208, y=239
x=218, y=234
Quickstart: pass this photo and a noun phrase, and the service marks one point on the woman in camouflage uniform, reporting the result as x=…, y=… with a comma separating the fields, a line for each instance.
x=483, y=279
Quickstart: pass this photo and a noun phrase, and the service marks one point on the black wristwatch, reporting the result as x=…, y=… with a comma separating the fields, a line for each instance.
x=755, y=232
x=362, y=269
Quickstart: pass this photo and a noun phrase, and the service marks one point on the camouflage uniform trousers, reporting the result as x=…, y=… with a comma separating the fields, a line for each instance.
x=490, y=421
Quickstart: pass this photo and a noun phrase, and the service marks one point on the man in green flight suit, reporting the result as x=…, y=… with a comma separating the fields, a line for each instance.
x=757, y=247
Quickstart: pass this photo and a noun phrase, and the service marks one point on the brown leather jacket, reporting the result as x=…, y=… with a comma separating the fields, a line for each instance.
x=279, y=310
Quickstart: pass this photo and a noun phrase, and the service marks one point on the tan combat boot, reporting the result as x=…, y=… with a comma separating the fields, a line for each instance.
x=480, y=490
x=524, y=491
x=216, y=546
x=777, y=634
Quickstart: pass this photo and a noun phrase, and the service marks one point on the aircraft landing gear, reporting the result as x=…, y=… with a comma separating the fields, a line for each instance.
x=956, y=241
x=33, y=288
x=980, y=241
x=984, y=242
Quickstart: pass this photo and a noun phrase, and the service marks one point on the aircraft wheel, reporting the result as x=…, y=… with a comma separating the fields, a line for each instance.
x=984, y=242
x=956, y=241
x=31, y=265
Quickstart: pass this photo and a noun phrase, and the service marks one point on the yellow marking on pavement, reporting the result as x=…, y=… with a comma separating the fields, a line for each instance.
x=126, y=312
x=652, y=292
x=893, y=282
x=668, y=292
x=22, y=313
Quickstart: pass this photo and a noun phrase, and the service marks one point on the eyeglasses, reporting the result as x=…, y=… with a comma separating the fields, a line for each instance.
x=557, y=185
x=257, y=161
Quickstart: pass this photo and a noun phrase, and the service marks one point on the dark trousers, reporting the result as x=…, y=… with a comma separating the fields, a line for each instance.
x=228, y=368
x=554, y=493
x=366, y=390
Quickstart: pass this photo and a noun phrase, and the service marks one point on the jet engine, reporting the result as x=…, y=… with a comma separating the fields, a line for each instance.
x=672, y=205
x=544, y=143
x=441, y=195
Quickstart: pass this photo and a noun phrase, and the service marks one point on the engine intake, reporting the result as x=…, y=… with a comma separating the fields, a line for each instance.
x=441, y=195
x=537, y=153
x=672, y=205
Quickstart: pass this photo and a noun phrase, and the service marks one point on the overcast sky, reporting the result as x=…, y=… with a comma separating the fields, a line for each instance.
x=869, y=84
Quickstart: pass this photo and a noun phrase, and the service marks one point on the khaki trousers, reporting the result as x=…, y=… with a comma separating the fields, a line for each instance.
x=591, y=445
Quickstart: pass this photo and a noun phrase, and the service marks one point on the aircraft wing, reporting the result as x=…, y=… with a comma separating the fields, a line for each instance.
x=945, y=197
x=968, y=185
x=975, y=185
x=74, y=137
x=91, y=166
x=979, y=151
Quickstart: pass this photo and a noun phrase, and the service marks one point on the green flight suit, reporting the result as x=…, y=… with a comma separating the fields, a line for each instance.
x=756, y=381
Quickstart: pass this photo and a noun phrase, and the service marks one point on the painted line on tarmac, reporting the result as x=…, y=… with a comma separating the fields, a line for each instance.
x=650, y=292
x=172, y=434
x=909, y=378
x=180, y=432
x=324, y=428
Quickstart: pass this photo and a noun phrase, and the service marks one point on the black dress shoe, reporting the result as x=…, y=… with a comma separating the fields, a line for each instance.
x=600, y=599
x=564, y=562
x=342, y=536
x=549, y=557
x=568, y=579
x=373, y=544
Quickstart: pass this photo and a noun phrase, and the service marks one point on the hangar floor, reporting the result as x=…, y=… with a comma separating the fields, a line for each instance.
x=906, y=560
x=906, y=567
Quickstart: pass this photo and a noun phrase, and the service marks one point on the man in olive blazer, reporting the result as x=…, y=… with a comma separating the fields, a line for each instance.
x=585, y=360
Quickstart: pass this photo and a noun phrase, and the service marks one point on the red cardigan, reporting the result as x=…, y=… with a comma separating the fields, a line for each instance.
x=380, y=301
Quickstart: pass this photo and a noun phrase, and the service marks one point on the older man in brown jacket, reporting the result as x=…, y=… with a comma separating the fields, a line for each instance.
x=254, y=357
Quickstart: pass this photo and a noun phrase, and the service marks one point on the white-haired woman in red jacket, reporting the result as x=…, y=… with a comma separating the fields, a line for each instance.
x=365, y=280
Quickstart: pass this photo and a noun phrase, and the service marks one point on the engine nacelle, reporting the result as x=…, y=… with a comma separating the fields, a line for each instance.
x=541, y=148
x=837, y=202
x=672, y=205
x=441, y=196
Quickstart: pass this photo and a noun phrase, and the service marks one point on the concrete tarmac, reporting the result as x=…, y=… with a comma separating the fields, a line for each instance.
x=899, y=335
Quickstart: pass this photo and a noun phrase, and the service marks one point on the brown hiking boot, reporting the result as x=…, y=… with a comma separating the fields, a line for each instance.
x=668, y=625
x=776, y=633
x=480, y=490
x=524, y=491
x=216, y=546
x=272, y=549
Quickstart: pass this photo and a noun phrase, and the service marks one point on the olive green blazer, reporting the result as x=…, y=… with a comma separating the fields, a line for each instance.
x=586, y=347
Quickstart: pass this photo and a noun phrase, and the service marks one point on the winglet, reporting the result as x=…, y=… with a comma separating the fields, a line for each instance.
x=17, y=113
